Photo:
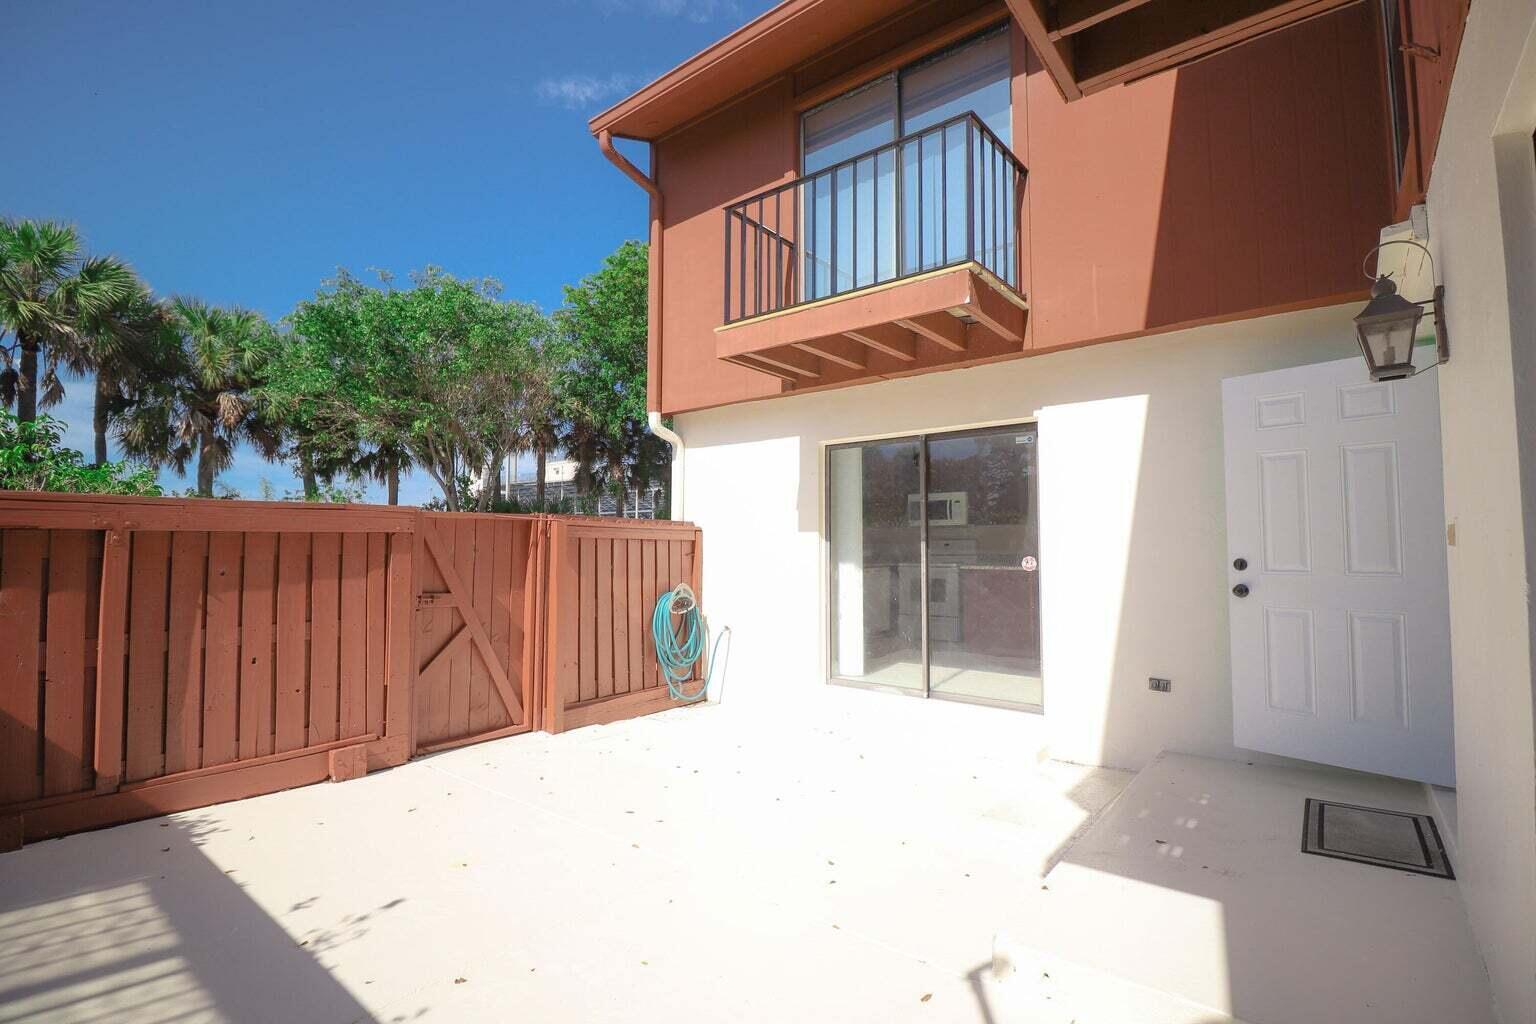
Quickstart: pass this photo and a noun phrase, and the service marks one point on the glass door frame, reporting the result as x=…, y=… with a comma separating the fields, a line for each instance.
x=829, y=566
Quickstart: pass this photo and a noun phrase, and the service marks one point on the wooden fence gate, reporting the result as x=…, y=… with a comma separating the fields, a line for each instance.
x=161, y=654
x=473, y=682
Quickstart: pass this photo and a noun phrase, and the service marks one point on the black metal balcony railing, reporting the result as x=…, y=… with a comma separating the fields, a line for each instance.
x=939, y=197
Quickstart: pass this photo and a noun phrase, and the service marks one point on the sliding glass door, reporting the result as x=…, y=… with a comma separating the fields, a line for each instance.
x=933, y=565
x=983, y=557
x=876, y=562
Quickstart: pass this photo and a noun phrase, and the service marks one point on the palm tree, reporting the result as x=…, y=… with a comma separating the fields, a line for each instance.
x=201, y=408
x=544, y=438
x=586, y=444
x=540, y=431
x=384, y=462
x=535, y=425
x=47, y=289
x=119, y=346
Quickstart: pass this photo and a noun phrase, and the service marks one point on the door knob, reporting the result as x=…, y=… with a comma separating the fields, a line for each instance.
x=1241, y=590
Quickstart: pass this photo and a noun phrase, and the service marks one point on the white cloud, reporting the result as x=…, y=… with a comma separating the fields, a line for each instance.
x=585, y=91
x=694, y=10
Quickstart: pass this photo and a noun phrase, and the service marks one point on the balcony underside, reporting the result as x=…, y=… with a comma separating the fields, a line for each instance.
x=951, y=317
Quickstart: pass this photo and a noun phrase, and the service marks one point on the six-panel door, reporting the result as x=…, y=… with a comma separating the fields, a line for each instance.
x=1339, y=622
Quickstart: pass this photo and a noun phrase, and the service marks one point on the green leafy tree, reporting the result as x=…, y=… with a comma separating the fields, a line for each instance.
x=601, y=353
x=312, y=386
x=323, y=448
x=50, y=293
x=33, y=458
x=603, y=337
x=199, y=406
x=437, y=372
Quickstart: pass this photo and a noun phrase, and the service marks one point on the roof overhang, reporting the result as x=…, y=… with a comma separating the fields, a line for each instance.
x=1088, y=45
x=1085, y=46
x=764, y=49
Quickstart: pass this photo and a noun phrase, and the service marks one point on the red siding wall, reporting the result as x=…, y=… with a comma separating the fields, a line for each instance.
x=1251, y=181
x=749, y=147
x=1247, y=183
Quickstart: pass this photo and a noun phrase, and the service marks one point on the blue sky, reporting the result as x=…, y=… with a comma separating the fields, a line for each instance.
x=242, y=151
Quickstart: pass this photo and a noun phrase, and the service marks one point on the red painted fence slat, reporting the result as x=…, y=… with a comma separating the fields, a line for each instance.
x=354, y=635
x=376, y=602
x=21, y=611
x=184, y=659
x=66, y=718
x=325, y=638
x=258, y=595
x=147, y=609
x=292, y=652
x=221, y=671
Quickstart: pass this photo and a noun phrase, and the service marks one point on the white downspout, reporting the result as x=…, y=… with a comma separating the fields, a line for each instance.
x=653, y=315
x=673, y=439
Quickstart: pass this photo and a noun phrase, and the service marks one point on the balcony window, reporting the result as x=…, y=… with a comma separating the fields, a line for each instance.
x=907, y=174
x=854, y=123
x=973, y=78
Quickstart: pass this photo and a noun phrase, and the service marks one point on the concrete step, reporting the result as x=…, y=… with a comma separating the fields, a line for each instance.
x=1189, y=901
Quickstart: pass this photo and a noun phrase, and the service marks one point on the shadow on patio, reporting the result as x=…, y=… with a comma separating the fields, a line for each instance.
x=136, y=923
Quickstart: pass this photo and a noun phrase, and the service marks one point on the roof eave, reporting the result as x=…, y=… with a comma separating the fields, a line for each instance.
x=613, y=120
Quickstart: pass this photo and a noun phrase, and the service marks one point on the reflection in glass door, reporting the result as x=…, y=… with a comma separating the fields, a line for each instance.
x=876, y=564
x=933, y=552
x=983, y=556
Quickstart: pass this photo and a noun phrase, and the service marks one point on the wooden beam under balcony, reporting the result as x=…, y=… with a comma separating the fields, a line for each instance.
x=956, y=316
x=799, y=365
x=752, y=363
x=940, y=328
x=990, y=308
x=965, y=287
x=842, y=351
x=888, y=338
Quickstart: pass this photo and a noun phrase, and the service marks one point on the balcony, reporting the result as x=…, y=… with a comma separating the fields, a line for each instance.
x=898, y=260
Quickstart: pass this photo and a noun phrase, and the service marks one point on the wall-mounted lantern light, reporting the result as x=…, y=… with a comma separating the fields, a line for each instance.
x=1388, y=326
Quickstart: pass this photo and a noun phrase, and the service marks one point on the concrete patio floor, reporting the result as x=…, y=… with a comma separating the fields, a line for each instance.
x=851, y=862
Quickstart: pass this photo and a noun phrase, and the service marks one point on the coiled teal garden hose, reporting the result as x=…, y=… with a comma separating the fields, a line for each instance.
x=678, y=648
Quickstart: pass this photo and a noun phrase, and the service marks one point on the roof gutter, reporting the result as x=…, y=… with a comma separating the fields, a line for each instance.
x=652, y=316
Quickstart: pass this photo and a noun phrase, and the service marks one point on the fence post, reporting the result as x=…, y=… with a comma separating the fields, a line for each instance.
x=535, y=620
x=111, y=636
x=400, y=656
x=564, y=639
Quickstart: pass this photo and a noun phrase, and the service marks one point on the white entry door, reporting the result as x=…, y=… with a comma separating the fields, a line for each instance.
x=1340, y=623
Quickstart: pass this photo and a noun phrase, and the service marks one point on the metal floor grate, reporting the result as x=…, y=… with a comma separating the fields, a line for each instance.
x=1374, y=835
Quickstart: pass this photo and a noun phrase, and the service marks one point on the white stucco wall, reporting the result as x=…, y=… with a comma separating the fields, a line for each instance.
x=1133, y=556
x=1482, y=226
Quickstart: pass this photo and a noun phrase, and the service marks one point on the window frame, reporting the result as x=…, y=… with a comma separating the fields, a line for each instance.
x=921, y=437
x=1003, y=29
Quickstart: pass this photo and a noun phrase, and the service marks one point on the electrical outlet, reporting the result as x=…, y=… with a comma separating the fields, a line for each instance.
x=1160, y=685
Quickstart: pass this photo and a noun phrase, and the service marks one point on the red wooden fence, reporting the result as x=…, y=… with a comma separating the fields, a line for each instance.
x=604, y=579
x=160, y=654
